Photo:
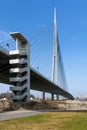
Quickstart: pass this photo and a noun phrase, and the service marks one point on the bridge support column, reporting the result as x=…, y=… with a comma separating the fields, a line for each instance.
x=57, y=97
x=52, y=96
x=43, y=95
x=20, y=69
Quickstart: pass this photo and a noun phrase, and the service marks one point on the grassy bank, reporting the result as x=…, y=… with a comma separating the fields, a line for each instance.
x=48, y=121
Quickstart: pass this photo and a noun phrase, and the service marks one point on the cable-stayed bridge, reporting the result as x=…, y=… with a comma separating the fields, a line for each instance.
x=15, y=69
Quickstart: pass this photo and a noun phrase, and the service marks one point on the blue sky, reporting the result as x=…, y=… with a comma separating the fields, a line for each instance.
x=34, y=16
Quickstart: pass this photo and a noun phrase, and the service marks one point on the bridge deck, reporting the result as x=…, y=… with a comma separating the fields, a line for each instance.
x=37, y=81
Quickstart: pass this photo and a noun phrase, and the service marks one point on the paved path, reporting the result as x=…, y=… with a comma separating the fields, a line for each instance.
x=16, y=114
x=24, y=113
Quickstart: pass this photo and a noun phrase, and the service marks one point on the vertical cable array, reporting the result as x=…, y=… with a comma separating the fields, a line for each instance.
x=41, y=50
x=62, y=78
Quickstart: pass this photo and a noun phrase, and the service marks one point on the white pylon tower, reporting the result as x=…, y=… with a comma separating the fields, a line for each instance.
x=55, y=52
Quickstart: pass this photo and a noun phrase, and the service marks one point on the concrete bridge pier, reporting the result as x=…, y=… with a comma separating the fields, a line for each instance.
x=57, y=97
x=20, y=68
x=43, y=95
x=52, y=96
